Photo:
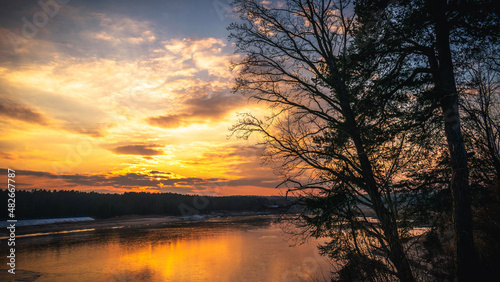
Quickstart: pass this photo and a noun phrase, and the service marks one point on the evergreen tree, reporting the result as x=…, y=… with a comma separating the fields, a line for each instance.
x=434, y=36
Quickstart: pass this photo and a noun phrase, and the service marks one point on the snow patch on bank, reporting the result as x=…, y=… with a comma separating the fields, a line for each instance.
x=41, y=221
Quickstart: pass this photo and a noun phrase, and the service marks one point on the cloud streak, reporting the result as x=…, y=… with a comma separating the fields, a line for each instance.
x=142, y=150
x=13, y=110
x=211, y=107
x=153, y=181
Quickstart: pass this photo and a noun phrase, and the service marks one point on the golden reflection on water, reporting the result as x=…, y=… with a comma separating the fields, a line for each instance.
x=186, y=259
x=253, y=254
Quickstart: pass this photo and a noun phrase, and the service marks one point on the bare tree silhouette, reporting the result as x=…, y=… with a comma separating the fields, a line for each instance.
x=341, y=141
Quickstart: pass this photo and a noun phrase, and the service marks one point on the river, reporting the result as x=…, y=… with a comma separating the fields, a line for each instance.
x=251, y=248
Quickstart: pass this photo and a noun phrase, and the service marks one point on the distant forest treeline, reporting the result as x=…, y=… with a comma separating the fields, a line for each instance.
x=46, y=203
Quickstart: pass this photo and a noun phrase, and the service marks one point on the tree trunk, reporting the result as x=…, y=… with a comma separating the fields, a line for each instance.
x=386, y=218
x=446, y=88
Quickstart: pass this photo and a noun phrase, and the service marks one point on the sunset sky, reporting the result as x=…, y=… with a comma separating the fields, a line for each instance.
x=116, y=96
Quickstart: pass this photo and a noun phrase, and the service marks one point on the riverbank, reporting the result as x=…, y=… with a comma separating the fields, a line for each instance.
x=129, y=221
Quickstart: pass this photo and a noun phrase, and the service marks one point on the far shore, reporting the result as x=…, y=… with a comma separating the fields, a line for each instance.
x=127, y=221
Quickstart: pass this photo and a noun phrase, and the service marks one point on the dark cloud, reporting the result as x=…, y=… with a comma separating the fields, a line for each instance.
x=159, y=172
x=169, y=121
x=259, y=182
x=16, y=111
x=142, y=150
x=209, y=107
x=214, y=105
x=127, y=181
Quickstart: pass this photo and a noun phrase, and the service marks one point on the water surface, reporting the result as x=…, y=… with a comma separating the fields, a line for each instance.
x=233, y=249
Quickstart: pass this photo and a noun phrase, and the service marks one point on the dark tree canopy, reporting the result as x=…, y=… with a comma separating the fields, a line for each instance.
x=437, y=37
x=359, y=93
